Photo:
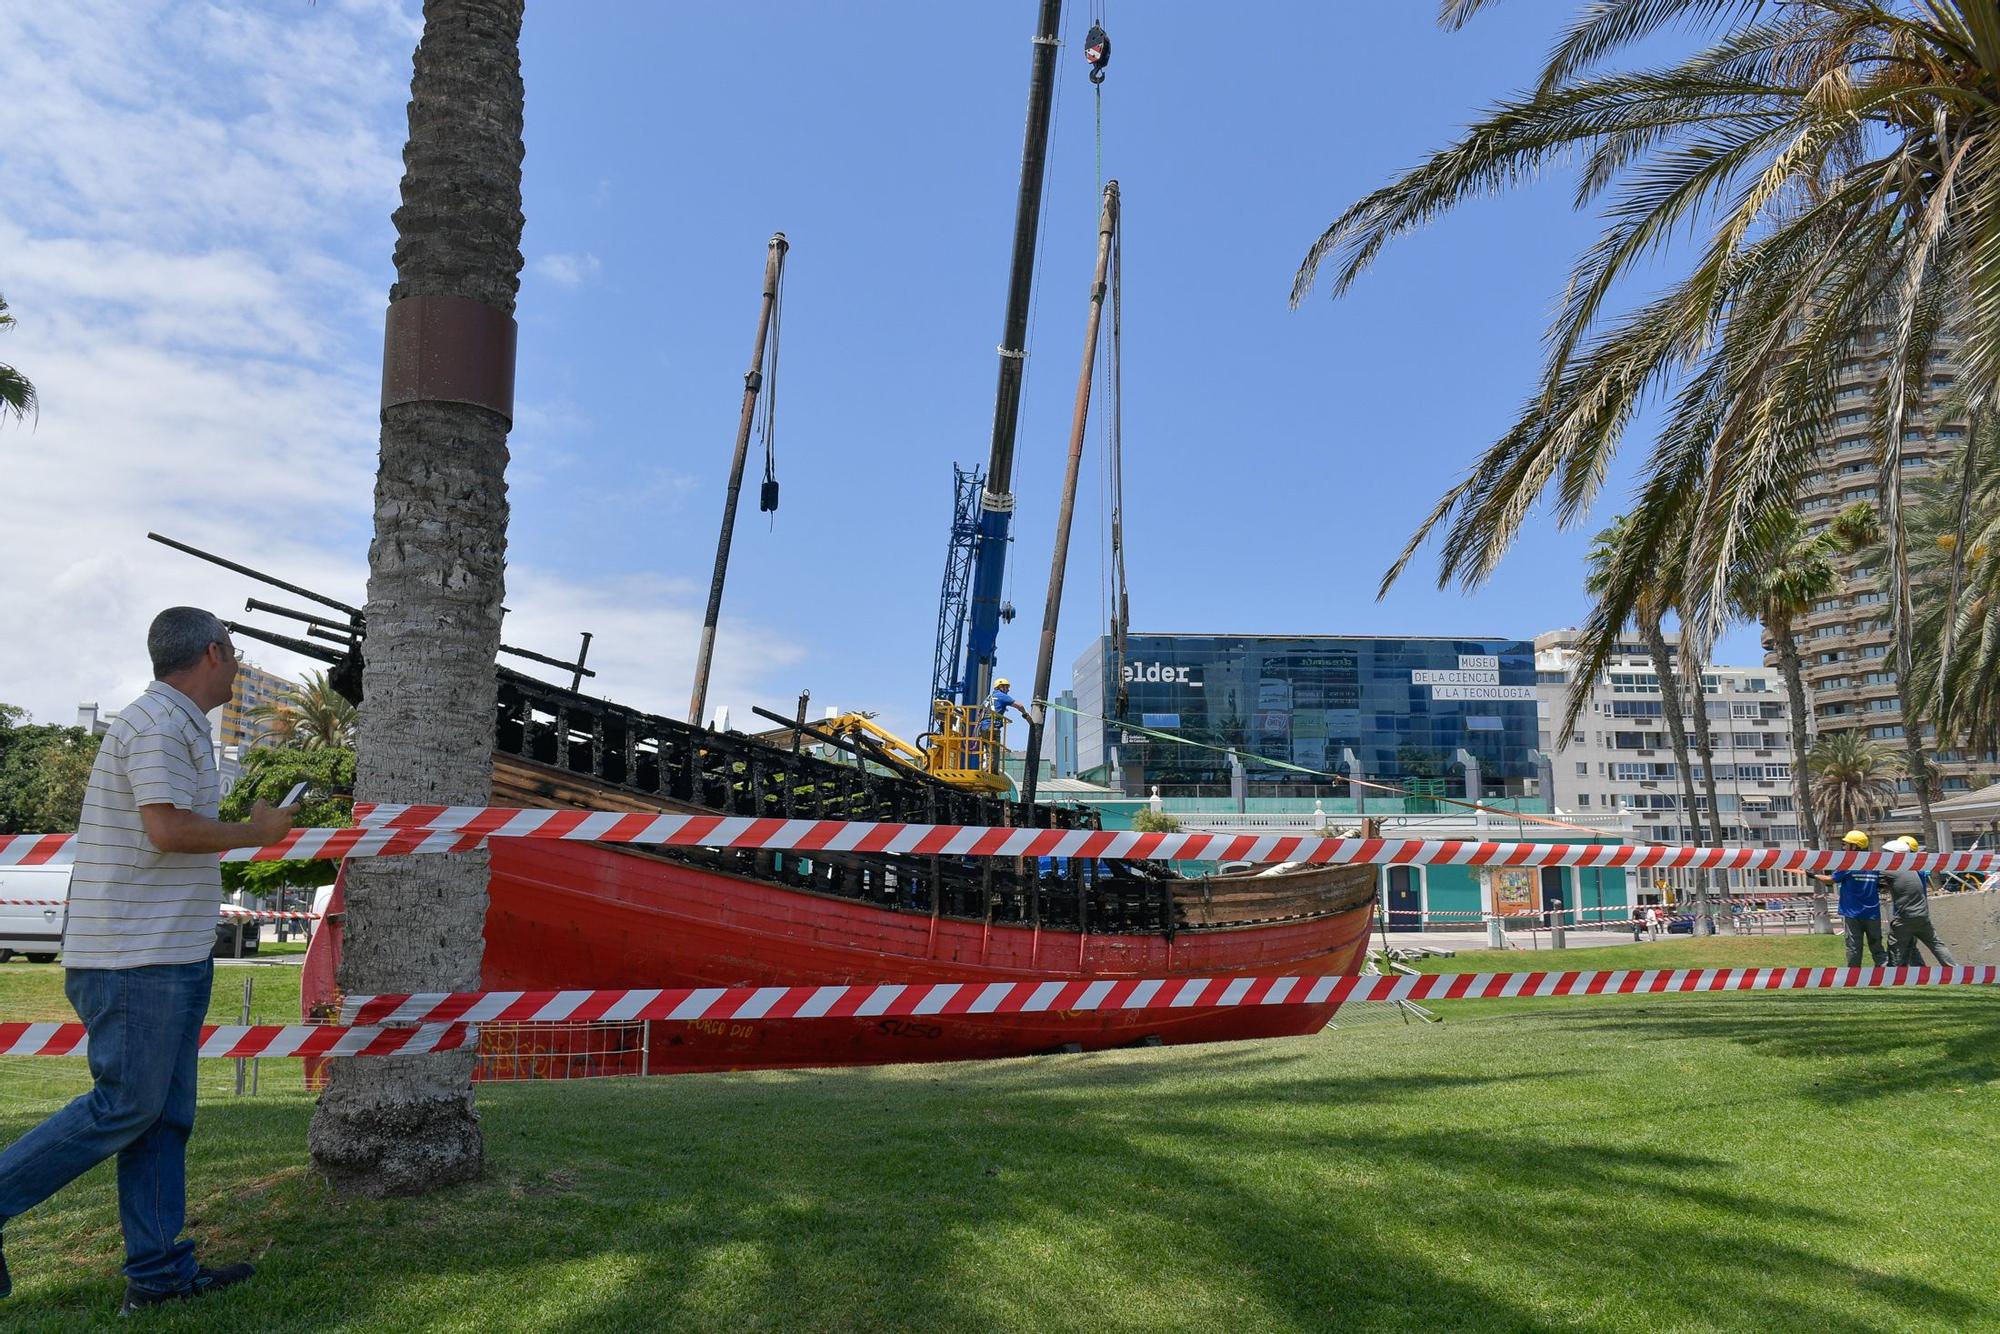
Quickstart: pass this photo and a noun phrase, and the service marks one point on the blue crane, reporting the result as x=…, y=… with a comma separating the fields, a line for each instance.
x=976, y=560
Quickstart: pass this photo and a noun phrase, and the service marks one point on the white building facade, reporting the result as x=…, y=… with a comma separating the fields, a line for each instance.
x=1622, y=761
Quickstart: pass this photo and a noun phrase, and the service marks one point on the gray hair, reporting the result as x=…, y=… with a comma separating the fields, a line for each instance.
x=179, y=636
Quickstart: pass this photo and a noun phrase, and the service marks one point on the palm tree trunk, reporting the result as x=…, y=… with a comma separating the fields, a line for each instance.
x=1670, y=695
x=1918, y=761
x=1704, y=744
x=1779, y=628
x=408, y=1125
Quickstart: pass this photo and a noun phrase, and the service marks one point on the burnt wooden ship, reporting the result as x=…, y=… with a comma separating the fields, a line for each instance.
x=574, y=915
x=568, y=916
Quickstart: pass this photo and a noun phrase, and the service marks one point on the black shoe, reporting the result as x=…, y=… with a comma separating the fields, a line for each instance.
x=205, y=1281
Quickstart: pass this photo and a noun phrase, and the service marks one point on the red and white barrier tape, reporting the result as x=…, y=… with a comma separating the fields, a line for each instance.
x=869, y=1000
x=275, y=1040
x=382, y=1025
x=409, y=830
x=227, y=910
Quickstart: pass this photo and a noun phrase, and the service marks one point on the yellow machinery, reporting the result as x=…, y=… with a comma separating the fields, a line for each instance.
x=964, y=746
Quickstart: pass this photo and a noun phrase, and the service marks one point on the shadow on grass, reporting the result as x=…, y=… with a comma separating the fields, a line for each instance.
x=1893, y=1041
x=1244, y=1187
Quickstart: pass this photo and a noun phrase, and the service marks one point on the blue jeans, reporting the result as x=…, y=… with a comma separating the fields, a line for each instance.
x=145, y=1036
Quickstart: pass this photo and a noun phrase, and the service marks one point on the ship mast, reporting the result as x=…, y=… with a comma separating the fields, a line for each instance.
x=1107, y=242
x=753, y=382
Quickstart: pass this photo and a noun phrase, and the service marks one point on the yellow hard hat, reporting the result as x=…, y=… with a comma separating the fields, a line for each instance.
x=1001, y=682
x=1903, y=844
x=1854, y=838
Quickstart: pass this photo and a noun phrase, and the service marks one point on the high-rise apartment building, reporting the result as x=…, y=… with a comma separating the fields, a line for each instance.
x=236, y=726
x=1844, y=639
x=1621, y=759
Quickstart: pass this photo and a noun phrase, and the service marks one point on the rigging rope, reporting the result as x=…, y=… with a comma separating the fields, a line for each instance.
x=1121, y=609
x=767, y=425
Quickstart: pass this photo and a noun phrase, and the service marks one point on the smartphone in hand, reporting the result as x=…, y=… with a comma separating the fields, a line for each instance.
x=292, y=797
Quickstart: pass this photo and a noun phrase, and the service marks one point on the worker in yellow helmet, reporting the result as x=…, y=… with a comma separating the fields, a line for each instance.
x=1860, y=904
x=1002, y=700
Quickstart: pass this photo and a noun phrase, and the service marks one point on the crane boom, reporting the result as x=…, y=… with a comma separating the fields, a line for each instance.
x=996, y=501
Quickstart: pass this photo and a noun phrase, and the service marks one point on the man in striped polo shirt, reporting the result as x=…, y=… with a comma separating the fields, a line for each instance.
x=143, y=900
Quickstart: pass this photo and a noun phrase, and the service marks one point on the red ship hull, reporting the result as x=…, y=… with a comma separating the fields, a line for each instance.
x=575, y=915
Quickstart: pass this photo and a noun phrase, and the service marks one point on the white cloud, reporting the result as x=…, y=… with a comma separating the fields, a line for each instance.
x=196, y=242
x=567, y=270
x=645, y=632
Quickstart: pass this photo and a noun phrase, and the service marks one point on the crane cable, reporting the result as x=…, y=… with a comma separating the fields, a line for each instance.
x=1121, y=606
x=1097, y=54
x=767, y=424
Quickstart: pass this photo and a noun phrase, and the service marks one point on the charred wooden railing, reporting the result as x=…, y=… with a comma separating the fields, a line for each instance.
x=665, y=760
x=570, y=736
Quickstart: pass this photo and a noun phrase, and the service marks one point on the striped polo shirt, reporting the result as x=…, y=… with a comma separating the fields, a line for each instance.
x=129, y=903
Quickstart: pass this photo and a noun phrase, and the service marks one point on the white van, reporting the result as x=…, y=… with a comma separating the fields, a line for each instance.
x=32, y=929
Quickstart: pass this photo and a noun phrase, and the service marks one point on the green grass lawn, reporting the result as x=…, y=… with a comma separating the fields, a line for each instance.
x=1690, y=1162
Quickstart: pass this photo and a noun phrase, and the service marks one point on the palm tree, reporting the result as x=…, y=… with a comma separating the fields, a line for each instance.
x=1838, y=164
x=1851, y=780
x=1606, y=550
x=311, y=715
x=17, y=395
x=1954, y=521
x=1858, y=531
x=1777, y=581
x=434, y=590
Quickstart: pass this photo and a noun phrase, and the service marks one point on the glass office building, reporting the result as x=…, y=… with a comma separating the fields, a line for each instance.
x=1378, y=708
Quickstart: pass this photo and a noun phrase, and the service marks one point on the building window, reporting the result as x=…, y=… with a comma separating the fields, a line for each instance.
x=1634, y=683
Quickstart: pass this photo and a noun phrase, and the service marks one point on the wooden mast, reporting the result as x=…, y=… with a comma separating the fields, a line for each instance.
x=1107, y=232
x=753, y=381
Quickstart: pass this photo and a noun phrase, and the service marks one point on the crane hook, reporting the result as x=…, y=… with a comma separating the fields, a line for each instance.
x=1097, y=51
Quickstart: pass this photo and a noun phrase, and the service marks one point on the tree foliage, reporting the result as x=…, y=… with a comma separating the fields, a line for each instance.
x=17, y=395
x=1954, y=521
x=311, y=715
x=1835, y=165
x=1853, y=781
x=268, y=774
x=1780, y=577
x=43, y=772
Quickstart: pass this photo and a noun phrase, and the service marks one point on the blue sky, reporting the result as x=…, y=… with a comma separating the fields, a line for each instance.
x=197, y=245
